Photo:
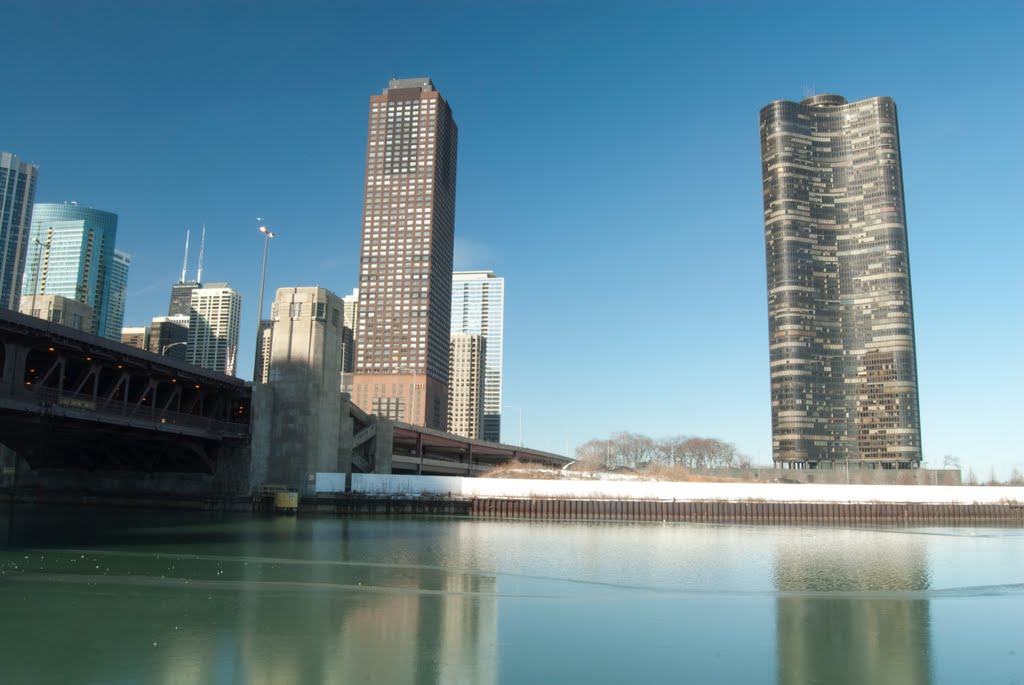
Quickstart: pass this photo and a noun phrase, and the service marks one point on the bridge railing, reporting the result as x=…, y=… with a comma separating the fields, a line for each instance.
x=88, y=403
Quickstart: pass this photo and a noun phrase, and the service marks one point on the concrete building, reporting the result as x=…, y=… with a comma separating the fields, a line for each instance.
x=214, y=321
x=840, y=316
x=401, y=365
x=71, y=253
x=478, y=307
x=58, y=309
x=467, y=361
x=17, y=195
x=135, y=336
x=302, y=385
x=168, y=336
x=264, y=339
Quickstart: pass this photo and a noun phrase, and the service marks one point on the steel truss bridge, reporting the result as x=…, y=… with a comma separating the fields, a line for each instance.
x=72, y=400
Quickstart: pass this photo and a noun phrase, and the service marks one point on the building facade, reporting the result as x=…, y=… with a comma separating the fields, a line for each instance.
x=168, y=336
x=467, y=361
x=840, y=316
x=71, y=253
x=302, y=391
x=405, y=272
x=118, y=291
x=264, y=342
x=135, y=336
x=17, y=195
x=214, y=321
x=58, y=309
x=348, y=338
x=181, y=298
x=478, y=306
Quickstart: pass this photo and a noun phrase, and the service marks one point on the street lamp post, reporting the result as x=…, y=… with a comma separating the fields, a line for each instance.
x=267, y=235
x=35, y=284
x=163, y=350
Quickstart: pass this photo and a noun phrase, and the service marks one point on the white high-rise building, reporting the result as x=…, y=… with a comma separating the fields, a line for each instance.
x=466, y=363
x=214, y=321
x=478, y=307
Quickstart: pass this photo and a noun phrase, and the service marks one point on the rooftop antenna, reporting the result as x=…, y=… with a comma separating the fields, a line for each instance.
x=184, y=266
x=202, y=248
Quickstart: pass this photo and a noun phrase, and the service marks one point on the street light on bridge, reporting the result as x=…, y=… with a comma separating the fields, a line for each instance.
x=163, y=350
x=267, y=235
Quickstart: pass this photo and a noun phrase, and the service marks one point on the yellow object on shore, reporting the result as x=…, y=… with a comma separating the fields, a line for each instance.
x=286, y=500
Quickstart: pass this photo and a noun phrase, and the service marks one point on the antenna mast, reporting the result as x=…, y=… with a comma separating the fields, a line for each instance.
x=184, y=265
x=202, y=248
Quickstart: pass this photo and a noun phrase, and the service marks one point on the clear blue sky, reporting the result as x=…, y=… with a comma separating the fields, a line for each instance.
x=609, y=169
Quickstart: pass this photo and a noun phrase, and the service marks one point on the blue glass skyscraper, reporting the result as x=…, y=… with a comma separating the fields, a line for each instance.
x=71, y=253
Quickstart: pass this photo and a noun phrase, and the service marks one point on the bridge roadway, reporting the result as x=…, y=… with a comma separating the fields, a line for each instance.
x=75, y=403
x=73, y=400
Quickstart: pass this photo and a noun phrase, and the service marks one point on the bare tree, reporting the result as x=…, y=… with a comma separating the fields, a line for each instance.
x=971, y=478
x=950, y=462
x=1016, y=478
x=593, y=455
x=633, y=450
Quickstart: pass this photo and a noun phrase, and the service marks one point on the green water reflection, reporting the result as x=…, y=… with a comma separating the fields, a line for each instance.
x=93, y=596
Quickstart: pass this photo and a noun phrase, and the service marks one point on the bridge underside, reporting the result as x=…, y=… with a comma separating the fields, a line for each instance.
x=95, y=446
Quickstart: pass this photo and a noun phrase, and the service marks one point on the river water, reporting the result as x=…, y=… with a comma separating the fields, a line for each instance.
x=126, y=596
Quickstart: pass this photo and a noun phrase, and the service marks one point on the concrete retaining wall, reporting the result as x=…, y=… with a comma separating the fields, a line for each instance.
x=498, y=488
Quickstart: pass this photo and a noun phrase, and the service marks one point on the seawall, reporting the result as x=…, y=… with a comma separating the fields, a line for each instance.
x=605, y=500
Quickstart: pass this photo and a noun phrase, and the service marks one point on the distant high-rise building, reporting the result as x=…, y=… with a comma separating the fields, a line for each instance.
x=467, y=356
x=264, y=342
x=58, y=309
x=840, y=318
x=401, y=365
x=348, y=352
x=17, y=195
x=214, y=321
x=135, y=336
x=118, y=290
x=181, y=292
x=168, y=336
x=478, y=306
x=73, y=249
x=181, y=298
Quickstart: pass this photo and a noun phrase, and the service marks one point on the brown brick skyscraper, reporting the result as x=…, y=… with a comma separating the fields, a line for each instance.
x=405, y=271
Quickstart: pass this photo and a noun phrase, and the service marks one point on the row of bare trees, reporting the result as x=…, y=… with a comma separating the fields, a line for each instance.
x=633, y=450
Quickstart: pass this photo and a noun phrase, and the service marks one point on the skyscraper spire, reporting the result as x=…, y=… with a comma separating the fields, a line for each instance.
x=202, y=247
x=184, y=265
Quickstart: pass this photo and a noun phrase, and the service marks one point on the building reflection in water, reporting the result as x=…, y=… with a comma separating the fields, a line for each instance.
x=406, y=622
x=842, y=616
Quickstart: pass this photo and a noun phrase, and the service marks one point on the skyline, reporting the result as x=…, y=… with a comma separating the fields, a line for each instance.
x=618, y=197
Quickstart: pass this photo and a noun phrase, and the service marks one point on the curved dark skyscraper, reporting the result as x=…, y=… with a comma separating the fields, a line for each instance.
x=840, y=320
